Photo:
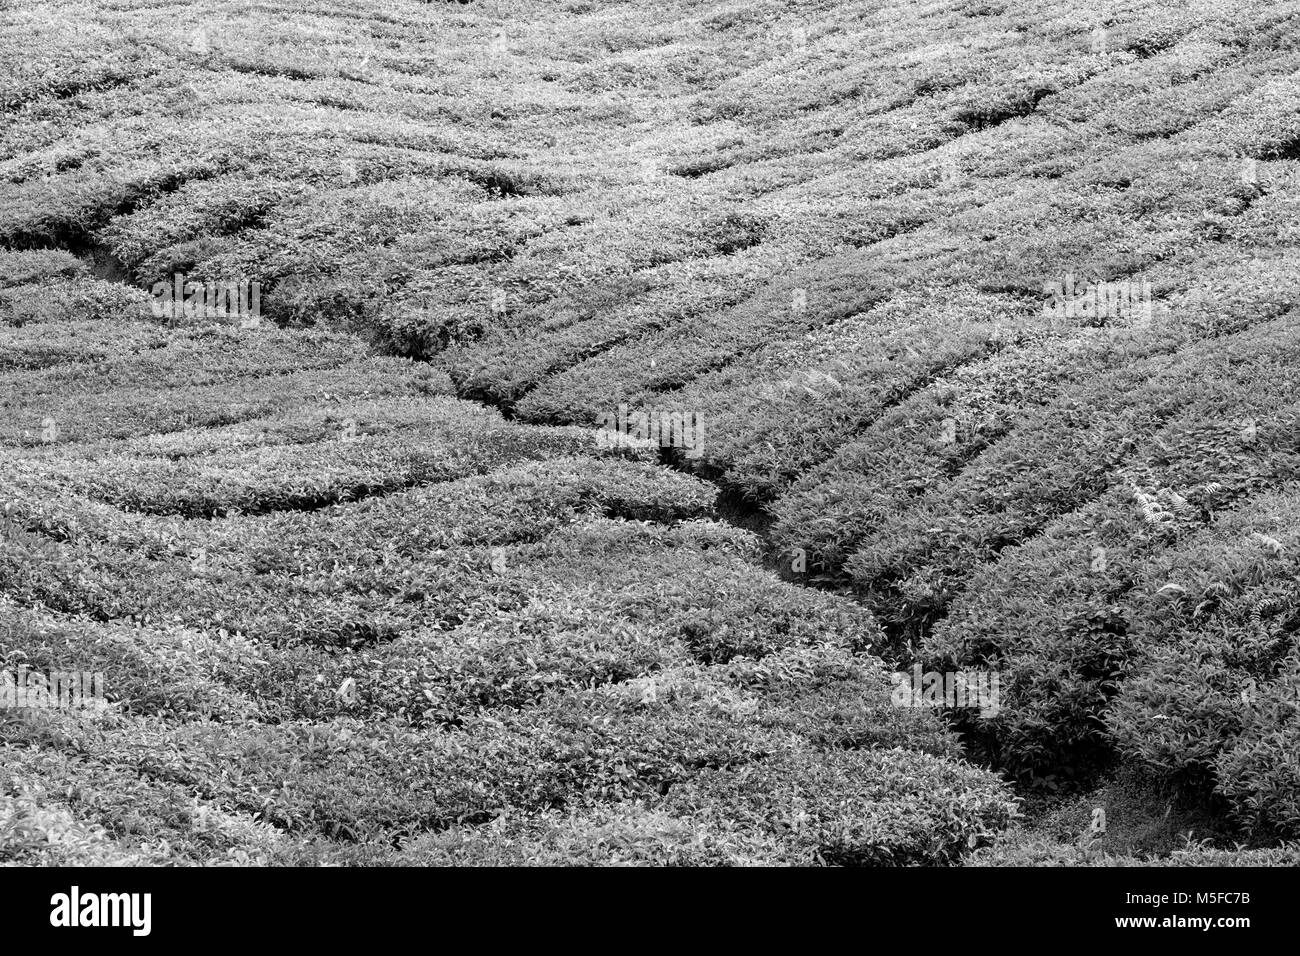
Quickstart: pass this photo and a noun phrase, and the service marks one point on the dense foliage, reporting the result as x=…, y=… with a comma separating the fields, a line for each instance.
x=363, y=584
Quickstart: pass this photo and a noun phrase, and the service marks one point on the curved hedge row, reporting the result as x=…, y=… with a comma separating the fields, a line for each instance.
x=699, y=741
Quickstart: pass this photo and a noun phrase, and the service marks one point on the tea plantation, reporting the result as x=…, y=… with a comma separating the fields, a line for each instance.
x=366, y=587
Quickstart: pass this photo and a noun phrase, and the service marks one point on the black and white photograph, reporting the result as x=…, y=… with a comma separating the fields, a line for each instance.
x=565, y=435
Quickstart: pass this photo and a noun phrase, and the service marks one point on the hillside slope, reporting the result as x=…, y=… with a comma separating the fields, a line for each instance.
x=366, y=585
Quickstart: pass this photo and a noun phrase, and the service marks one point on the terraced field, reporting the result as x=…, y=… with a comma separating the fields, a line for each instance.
x=368, y=584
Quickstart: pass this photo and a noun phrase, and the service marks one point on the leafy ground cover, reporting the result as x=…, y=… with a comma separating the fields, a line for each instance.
x=366, y=588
